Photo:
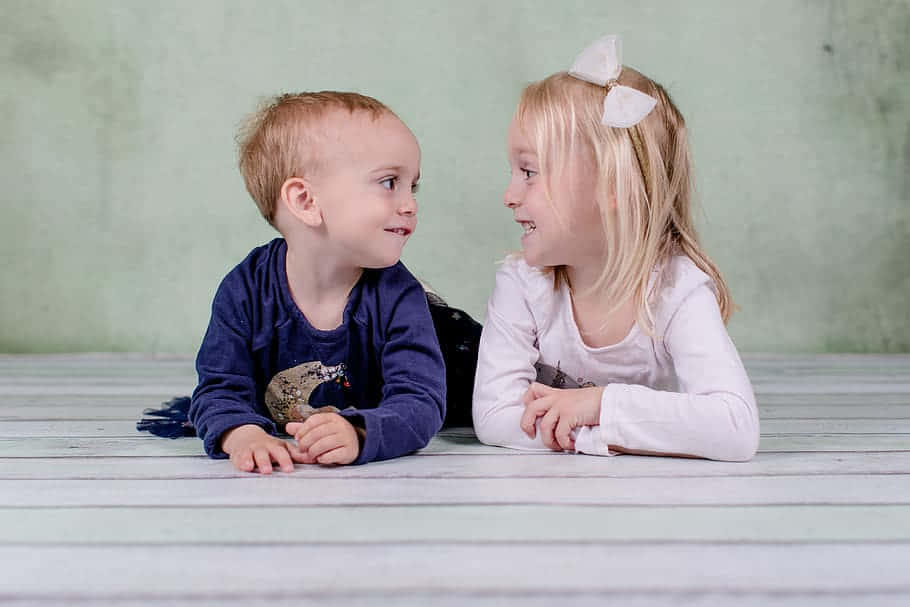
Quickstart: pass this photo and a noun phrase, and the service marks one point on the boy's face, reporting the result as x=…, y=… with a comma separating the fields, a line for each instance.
x=365, y=184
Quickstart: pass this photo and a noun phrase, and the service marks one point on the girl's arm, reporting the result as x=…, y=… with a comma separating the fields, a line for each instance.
x=505, y=365
x=713, y=416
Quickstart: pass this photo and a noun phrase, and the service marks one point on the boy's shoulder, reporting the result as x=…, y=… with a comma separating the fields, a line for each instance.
x=261, y=258
x=383, y=290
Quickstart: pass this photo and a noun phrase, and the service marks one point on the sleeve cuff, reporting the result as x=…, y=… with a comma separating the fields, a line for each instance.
x=596, y=440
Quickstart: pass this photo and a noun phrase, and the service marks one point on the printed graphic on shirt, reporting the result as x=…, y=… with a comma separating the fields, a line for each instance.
x=557, y=378
x=288, y=394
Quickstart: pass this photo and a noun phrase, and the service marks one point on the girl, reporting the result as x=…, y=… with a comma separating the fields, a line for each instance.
x=606, y=334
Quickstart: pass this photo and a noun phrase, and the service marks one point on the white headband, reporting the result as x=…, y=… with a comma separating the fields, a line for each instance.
x=600, y=64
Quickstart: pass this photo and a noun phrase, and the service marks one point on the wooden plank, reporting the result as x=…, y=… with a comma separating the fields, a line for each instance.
x=75, y=402
x=152, y=389
x=133, y=411
x=438, y=569
x=439, y=523
x=844, y=387
x=538, y=465
x=150, y=446
x=827, y=398
x=488, y=597
x=146, y=445
x=292, y=490
x=127, y=428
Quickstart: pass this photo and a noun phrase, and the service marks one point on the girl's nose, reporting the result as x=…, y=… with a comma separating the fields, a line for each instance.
x=509, y=199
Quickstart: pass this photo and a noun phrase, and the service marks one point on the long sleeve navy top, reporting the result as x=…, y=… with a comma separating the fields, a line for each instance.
x=382, y=366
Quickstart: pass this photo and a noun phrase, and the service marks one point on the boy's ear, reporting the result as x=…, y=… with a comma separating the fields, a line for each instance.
x=297, y=197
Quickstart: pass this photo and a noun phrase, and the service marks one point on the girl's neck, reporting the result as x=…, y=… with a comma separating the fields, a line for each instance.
x=597, y=325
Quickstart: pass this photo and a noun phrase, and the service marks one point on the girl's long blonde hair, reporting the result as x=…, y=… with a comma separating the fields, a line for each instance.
x=561, y=116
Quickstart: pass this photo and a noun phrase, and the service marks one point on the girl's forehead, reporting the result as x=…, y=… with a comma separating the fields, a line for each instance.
x=518, y=141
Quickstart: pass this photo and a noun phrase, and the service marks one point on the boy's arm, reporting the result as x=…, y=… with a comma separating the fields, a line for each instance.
x=225, y=397
x=413, y=396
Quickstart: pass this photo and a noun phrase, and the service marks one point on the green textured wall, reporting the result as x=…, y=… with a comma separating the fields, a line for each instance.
x=122, y=206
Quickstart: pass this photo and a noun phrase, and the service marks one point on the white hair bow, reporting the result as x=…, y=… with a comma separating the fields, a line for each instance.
x=601, y=64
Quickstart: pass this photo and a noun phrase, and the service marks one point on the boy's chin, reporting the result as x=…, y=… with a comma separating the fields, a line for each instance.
x=377, y=263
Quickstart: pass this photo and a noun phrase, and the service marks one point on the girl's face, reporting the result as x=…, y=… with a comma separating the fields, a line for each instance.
x=570, y=237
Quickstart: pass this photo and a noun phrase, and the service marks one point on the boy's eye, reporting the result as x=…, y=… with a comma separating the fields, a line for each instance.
x=415, y=187
x=528, y=173
x=389, y=183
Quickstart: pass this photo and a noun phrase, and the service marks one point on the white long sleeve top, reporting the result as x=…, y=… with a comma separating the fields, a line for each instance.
x=683, y=391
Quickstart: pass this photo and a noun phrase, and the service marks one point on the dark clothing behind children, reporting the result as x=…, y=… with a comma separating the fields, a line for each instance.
x=261, y=360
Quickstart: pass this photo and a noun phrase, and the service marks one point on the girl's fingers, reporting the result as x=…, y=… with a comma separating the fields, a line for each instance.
x=293, y=427
x=528, y=421
x=563, y=434
x=548, y=428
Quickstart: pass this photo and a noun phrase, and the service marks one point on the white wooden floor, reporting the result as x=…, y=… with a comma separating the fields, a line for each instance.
x=92, y=512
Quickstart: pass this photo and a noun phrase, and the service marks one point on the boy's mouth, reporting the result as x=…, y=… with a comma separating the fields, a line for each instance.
x=528, y=227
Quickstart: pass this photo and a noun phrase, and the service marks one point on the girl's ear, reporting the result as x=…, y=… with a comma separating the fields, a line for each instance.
x=297, y=197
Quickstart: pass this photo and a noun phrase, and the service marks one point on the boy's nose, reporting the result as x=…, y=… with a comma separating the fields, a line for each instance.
x=408, y=207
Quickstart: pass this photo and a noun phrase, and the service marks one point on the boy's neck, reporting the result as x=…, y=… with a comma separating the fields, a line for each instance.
x=320, y=285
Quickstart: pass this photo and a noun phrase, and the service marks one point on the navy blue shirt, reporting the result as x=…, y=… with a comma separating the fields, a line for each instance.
x=382, y=367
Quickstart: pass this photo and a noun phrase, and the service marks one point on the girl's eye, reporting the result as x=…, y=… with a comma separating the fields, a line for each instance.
x=389, y=183
x=528, y=173
x=415, y=187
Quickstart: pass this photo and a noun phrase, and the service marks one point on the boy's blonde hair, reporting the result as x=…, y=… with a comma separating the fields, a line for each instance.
x=561, y=116
x=279, y=141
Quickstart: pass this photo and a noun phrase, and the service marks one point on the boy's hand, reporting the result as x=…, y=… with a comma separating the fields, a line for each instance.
x=562, y=411
x=251, y=447
x=326, y=438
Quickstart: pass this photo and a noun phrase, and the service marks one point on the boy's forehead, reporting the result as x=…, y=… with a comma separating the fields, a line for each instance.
x=361, y=136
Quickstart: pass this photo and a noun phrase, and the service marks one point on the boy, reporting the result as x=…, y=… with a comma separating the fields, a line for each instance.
x=323, y=330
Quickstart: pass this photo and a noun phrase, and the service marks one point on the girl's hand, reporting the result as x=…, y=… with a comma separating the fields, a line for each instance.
x=326, y=438
x=562, y=411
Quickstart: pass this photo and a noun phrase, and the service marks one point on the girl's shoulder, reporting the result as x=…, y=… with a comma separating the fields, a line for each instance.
x=515, y=274
x=675, y=282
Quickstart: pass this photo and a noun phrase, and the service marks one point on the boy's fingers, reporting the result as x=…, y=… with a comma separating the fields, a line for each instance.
x=263, y=460
x=282, y=457
x=307, y=439
x=297, y=455
x=316, y=419
x=292, y=427
x=243, y=461
x=324, y=445
x=339, y=455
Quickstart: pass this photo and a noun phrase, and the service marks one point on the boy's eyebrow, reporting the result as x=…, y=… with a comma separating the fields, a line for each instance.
x=393, y=167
